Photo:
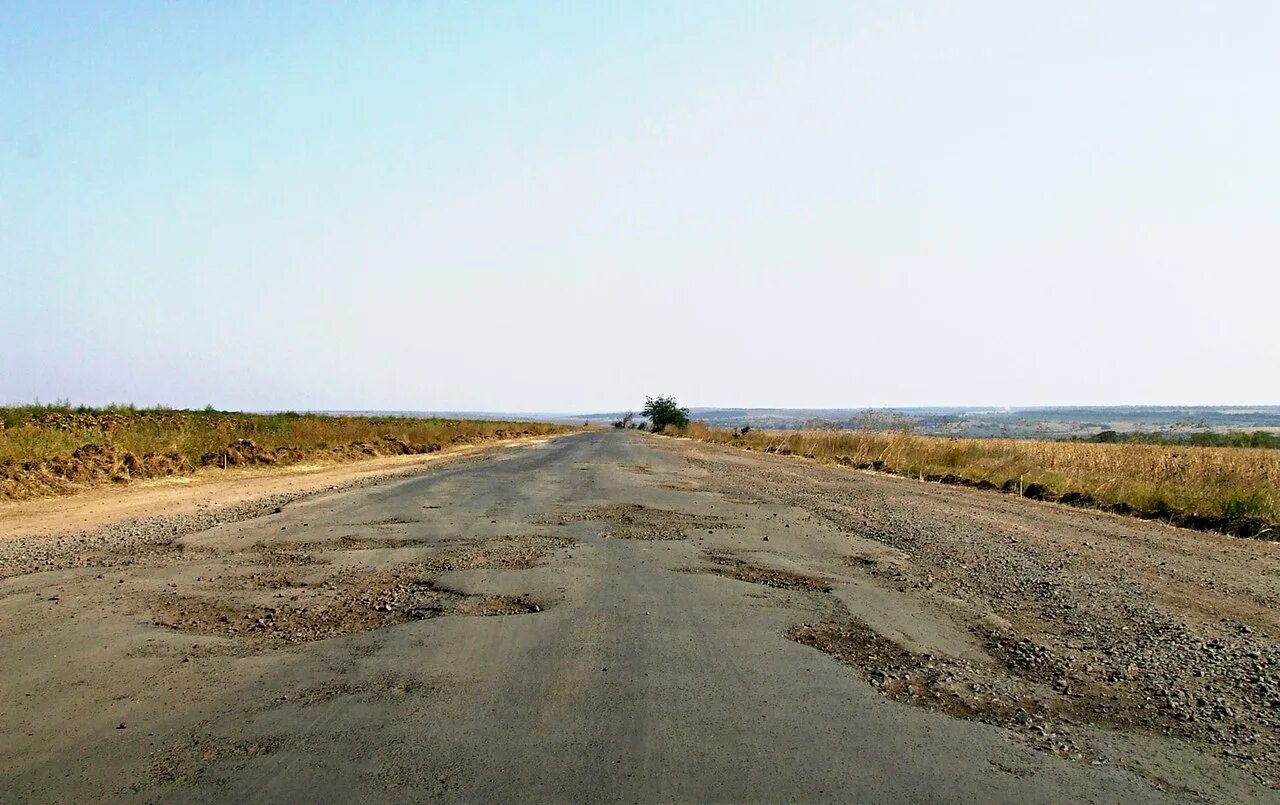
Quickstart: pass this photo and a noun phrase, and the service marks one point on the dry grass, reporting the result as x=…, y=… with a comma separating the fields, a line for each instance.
x=53, y=449
x=1226, y=482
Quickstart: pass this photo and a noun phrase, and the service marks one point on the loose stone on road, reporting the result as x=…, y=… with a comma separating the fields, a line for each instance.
x=618, y=616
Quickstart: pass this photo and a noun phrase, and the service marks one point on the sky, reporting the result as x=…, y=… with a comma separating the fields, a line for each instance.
x=559, y=206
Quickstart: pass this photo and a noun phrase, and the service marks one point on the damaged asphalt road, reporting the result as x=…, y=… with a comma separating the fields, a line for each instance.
x=615, y=616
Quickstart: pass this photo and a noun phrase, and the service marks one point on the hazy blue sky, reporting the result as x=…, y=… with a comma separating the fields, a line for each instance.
x=565, y=206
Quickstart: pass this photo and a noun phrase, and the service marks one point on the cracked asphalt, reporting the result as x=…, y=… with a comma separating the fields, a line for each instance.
x=613, y=616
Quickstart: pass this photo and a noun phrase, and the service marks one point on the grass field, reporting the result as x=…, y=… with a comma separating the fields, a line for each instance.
x=1204, y=486
x=56, y=449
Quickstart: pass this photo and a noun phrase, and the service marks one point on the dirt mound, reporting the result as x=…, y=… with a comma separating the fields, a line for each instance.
x=101, y=421
x=88, y=465
x=245, y=452
x=94, y=464
x=386, y=446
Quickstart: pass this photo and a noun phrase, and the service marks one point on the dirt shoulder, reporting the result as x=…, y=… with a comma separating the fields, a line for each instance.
x=1221, y=490
x=210, y=489
x=1092, y=625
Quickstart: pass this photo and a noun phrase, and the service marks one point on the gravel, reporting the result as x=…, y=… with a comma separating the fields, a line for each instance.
x=150, y=540
x=1110, y=623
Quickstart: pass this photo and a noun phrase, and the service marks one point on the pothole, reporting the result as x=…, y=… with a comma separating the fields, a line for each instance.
x=391, y=521
x=1032, y=692
x=186, y=763
x=733, y=568
x=351, y=542
x=351, y=600
x=385, y=686
x=286, y=555
x=640, y=522
x=511, y=552
x=348, y=602
x=69, y=555
x=946, y=684
x=271, y=580
x=647, y=533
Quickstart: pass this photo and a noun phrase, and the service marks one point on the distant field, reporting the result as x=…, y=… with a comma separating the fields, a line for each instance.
x=55, y=449
x=1234, y=489
x=1224, y=426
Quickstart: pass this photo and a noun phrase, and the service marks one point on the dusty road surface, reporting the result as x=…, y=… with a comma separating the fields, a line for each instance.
x=613, y=616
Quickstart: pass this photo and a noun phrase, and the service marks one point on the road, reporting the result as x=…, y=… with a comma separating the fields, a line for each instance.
x=617, y=616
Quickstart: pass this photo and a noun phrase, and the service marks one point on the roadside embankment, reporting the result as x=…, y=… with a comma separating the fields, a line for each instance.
x=159, y=508
x=56, y=451
x=1224, y=489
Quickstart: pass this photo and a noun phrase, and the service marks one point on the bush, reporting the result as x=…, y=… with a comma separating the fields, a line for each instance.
x=665, y=411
